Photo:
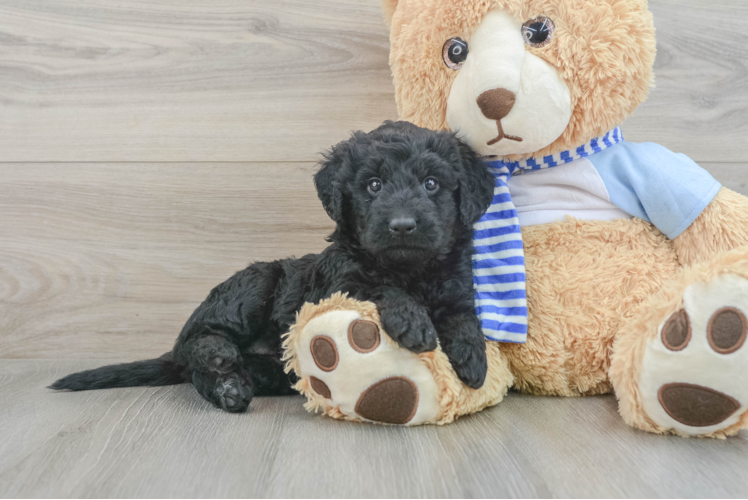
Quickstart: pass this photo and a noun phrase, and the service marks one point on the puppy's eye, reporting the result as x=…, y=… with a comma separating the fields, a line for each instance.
x=374, y=186
x=431, y=185
x=455, y=52
x=538, y=32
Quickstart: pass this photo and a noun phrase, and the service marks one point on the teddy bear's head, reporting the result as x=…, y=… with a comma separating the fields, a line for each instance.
x=519, y=78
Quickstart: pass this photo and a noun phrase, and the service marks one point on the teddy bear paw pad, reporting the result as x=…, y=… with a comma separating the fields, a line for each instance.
x=363, y=336
x=694, y=378
x=365, y=375
x=696, y=406
x=392, y=401
x=727, y=330
x=320, y=387
x=677, y=331
x=324, y=352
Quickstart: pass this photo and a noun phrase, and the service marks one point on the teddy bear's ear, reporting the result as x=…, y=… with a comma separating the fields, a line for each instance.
x=389, y=6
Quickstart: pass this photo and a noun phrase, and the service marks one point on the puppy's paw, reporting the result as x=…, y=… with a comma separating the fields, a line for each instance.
x=216, y=354
x=230, y=392
x=410, y=327
x=233, y=393
x=469, y=361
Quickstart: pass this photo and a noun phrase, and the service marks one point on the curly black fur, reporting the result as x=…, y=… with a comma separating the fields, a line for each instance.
x=420, y=278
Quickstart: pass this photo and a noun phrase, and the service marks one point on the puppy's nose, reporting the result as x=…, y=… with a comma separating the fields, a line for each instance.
x=497, y=103
x=402, y=226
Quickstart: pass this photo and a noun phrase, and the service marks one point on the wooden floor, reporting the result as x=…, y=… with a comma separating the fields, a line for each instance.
x=149, y=149
x=168, y=442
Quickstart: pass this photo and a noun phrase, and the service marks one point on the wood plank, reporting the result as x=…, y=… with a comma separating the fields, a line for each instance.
x=167, y=442
x=168, y=80
x=228, y=80
x=701, y=99
x=109, y=260
x=732, y=175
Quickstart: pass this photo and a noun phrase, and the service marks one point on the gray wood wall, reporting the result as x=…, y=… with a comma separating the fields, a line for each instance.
x=150, y=149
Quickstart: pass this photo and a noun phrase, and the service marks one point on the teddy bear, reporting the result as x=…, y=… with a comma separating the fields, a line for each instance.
x=602, y=266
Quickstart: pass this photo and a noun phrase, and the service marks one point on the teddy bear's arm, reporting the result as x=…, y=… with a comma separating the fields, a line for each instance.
x=722, y=226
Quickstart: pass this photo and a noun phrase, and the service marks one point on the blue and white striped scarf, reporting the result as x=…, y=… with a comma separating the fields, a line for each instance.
x=499, y=258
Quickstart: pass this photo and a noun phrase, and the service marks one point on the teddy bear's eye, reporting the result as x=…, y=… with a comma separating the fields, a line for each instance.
x=538, y=32
x=454, y=52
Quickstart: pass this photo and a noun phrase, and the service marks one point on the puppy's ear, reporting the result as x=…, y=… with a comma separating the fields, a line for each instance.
x=476, y=186
x=328, y=183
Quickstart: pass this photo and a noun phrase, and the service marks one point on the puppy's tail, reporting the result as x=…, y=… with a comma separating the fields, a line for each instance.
x=149, y=372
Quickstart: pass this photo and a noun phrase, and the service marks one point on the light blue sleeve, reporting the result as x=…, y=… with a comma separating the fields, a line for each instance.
x=653, y=183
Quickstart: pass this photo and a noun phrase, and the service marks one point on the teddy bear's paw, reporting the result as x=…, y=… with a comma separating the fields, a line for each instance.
x=694, y=377
x=357, y=369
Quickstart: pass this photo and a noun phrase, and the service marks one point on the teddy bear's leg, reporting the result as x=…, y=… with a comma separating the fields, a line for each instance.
x=681, y=366
x=349, y=368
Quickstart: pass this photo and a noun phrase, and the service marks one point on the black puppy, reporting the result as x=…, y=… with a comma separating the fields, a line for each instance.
x=404, y=200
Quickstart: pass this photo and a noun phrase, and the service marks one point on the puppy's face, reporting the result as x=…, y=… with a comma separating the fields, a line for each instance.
x=404, y=205
x=403, y=193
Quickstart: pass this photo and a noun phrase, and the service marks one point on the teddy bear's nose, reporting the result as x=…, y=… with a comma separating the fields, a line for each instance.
x=497, y=103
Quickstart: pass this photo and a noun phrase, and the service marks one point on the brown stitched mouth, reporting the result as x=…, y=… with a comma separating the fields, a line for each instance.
x=502, y=135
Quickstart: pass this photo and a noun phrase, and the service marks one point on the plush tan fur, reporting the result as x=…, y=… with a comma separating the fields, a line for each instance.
x=593, y=287
x=455, y=399
x=584, y=280
x=722, y=226
x=604, y=50
x=597, y=291
x=643, y=326
x=291, y=345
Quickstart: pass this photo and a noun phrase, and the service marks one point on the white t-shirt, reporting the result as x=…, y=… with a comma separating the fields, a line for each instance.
x=626, y=180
